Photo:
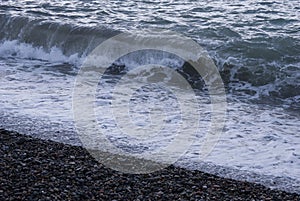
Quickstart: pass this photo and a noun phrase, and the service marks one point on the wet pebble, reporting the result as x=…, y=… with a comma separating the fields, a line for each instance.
x=34, y=169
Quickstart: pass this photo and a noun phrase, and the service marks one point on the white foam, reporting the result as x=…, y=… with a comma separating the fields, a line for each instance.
x=14, y=48
x=264, y=140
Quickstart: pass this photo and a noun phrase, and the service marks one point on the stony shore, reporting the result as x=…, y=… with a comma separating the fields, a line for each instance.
x=34, y=169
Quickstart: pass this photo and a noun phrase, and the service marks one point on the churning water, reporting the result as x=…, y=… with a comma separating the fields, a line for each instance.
x=254, y=44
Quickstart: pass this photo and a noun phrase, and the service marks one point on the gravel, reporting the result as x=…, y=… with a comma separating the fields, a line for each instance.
x=34, y=169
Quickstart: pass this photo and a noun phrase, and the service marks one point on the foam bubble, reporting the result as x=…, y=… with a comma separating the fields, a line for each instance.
x=14, y=48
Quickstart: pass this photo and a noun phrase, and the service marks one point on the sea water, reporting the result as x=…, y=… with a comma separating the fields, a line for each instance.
x=254, y=44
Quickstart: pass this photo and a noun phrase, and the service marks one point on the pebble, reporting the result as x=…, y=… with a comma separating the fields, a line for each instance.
x=34, y=169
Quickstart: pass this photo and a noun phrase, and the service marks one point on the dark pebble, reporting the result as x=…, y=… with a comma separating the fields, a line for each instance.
x=34, y=169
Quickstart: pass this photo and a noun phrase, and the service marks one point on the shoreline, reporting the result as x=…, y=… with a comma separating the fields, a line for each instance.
x=33, y=169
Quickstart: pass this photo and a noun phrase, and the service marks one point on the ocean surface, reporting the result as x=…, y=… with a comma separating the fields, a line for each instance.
x=254, y=44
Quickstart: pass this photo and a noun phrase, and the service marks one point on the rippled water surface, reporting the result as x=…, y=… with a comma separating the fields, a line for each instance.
x=254, y=44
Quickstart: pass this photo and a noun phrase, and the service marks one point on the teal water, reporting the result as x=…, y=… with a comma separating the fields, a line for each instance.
x=254, y=44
